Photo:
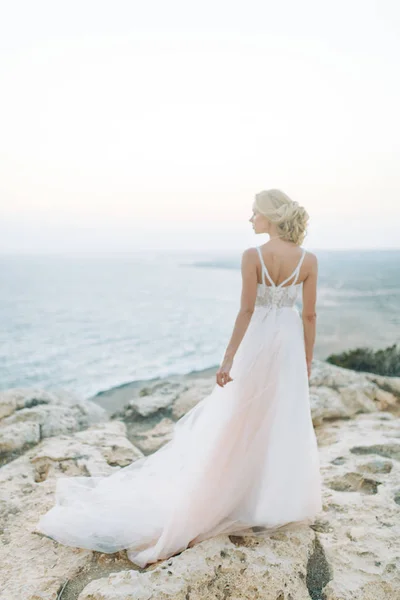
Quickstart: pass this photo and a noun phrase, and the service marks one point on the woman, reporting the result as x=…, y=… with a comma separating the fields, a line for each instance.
x=245, y=458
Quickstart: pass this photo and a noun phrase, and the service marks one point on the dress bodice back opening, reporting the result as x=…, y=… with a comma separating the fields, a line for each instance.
x=278, y=295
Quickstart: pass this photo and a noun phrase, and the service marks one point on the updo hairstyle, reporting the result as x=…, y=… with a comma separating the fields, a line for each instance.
x=289, y=217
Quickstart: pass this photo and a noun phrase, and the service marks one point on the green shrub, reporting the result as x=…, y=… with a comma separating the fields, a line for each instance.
x=381, y=362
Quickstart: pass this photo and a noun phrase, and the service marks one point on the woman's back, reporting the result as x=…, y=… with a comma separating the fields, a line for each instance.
x=280, y=263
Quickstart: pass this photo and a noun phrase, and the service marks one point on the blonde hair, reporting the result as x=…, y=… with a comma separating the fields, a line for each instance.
x=289, y=217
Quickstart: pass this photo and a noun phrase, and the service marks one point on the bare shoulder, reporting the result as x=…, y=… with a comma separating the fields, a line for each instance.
x=311, y=262
x=249, y=255
x=310, y=257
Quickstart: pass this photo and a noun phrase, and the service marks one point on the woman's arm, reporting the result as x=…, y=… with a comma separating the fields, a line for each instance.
x=309, y=314
x=247, y=301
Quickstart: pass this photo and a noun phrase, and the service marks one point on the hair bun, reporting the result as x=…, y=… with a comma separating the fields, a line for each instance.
x=282, y=211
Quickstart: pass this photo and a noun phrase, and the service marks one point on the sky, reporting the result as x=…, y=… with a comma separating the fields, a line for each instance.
x=129, y=125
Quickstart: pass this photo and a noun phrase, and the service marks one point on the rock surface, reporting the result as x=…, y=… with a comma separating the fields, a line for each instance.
x=350, y=552
x=33, y=566
x=29, y=415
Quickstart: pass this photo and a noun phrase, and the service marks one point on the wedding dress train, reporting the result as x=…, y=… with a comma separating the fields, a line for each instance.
x=245, y=456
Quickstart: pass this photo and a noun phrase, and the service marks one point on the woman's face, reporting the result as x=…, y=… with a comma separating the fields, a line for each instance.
x=259, y=222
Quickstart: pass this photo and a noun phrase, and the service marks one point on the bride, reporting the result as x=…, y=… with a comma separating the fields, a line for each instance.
x=245, y=458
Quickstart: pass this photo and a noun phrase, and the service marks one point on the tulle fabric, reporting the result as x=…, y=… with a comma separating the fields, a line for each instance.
x=244, y=457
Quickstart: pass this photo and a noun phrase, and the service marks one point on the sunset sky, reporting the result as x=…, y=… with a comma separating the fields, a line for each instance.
x=128, y=126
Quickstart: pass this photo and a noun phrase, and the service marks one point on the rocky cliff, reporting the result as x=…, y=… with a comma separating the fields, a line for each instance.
x=351, y=551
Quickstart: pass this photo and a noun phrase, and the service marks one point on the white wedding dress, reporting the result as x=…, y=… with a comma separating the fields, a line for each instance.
x=245, y=456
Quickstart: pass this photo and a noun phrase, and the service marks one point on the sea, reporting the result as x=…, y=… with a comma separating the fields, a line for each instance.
x=92, y=323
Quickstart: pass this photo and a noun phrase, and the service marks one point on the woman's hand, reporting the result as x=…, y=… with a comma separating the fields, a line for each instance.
x=223, y=375
x=309, y=361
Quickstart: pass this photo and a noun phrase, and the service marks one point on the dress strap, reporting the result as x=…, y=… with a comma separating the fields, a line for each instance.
x=296, y=271
x=264, y=269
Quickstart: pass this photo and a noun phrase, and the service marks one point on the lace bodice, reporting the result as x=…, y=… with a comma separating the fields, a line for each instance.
x=277, y=295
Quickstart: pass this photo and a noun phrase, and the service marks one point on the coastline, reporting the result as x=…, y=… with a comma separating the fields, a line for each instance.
x=115, y=398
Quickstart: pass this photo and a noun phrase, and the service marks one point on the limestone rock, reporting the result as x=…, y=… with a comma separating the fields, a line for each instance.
x=338, y=393
x=84, y=452
x=29, y=415
x=35, y=567
x=391, y=384
x=153, y=398
x=361, y=537
x=221, y=567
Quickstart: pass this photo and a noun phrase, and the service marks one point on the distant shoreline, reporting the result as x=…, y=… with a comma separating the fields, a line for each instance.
x=116, y=397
